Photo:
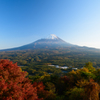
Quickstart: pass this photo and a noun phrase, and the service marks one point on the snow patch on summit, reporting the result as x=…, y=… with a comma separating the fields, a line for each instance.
x=52, y=36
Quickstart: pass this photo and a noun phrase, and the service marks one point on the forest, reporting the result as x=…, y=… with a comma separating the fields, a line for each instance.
x=58, y=56
x=25, y=75
x=83, y=84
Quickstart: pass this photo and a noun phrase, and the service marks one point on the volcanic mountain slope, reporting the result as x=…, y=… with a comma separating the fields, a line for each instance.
x=52, y=42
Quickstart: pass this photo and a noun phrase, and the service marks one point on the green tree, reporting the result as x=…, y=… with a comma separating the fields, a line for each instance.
x=90, y=67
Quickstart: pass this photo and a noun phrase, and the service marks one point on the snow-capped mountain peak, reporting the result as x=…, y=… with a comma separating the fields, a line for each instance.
x=53, y=36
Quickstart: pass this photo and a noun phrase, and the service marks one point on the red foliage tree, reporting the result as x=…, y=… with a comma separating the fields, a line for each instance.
x=13, y=84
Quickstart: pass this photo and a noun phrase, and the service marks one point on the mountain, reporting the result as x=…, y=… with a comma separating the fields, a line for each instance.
x=52, y=42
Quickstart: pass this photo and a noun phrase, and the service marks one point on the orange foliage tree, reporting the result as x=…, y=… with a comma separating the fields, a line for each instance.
x=13, y=84
x=92, y=90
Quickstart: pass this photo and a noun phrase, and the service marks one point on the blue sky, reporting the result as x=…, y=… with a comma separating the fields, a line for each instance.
x=25, y=21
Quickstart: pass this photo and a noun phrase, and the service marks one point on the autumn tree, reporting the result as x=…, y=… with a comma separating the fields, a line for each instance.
x=63, y=85
x=92, y=90
x=42, y=93
x=13, y=84
x=76, y=94
x=90, y=67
